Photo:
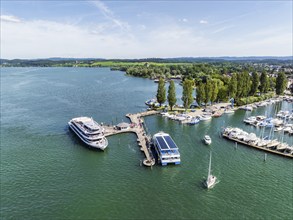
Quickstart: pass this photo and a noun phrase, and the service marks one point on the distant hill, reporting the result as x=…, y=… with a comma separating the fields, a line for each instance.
x=59, y=61
x=71, y=59
x=226, y=58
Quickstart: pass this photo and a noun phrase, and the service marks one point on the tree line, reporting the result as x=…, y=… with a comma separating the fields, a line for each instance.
x=243, y=87
x=187, y=95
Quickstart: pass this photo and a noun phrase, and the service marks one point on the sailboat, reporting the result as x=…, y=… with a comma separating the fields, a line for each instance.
x=211, y=180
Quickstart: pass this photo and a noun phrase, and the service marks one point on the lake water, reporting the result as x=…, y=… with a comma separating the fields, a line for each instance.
x=48, y=173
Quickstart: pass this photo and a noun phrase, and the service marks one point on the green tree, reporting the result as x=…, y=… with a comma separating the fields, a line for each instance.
x=247, y=84
x=264, y=82
x=172, y=94
x=232, y=87
x=271, y=83
x=240, y=84
x=216, y=83
x=208, y=91
x=243, y=84
x=187, y=96
x=161, y=92
x=223, y=93
x=255, y=83
x=200, y=93
x=281, y=83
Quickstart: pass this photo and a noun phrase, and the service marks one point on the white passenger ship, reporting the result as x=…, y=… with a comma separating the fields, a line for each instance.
x=166, y=149
x=89, y=131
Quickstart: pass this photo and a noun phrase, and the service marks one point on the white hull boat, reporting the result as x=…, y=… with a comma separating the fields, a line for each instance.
x=207, y=139
x=89, y=131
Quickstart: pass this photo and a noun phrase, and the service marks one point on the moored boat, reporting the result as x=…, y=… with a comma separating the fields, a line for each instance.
x=218, y=114
x=89, y=131
x=206, y=117
x=273, y=146
x=229, y=111
x=151, y=102
x=194, y=121
x=166, y=149
x=246, y=108
x=250, y=120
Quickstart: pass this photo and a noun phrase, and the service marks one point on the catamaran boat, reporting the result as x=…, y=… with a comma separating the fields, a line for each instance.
x=207, y=139
x=166, y=149
x=211, y=179
x=89, y=131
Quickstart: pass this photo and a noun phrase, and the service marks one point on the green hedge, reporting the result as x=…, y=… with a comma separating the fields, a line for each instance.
x=252, y=99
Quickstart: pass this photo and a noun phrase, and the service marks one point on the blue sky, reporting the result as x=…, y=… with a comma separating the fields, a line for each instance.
x=139, y=29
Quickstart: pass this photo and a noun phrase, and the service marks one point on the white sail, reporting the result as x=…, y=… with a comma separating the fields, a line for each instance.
x=211, y=180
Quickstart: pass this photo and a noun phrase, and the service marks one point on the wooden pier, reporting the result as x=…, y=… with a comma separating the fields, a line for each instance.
x=136, y=127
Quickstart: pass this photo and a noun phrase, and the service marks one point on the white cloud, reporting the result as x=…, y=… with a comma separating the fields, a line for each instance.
x=10, y=18
x=102, y=7
x=109, y=14
x=203, y=22
x=43, y=38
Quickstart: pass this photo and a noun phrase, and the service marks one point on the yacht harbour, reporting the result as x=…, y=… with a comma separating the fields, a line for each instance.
x=51, y=168
x=250, y=139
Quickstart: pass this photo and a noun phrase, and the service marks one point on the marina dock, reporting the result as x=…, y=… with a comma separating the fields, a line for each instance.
x=138, y=128
x=263, y=147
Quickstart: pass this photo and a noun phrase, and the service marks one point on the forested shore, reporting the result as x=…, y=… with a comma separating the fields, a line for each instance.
x=215, y=80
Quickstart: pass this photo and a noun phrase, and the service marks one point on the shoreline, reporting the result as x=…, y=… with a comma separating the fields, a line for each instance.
x=220, y=108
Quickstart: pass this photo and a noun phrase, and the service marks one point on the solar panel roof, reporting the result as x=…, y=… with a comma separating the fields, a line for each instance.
x=166, y=143
x=162, y=143
x=170, y=142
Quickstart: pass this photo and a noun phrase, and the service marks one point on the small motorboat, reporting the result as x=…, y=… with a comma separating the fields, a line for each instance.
x=207, y=139
x=206, y=117
x=194, y=121
x=229, y=111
